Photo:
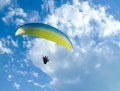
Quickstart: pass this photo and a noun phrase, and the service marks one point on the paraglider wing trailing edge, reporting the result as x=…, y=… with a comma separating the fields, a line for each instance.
x=45, y=31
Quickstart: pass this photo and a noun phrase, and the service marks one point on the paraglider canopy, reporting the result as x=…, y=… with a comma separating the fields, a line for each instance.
x=45, y=31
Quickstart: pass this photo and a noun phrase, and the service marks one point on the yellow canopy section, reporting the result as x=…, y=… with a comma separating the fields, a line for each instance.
x=45, y=31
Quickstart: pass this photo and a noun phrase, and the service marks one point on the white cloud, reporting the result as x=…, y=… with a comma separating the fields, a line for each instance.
x=83, y=15
x=48, y=5
x=18, y=16
x=3, y=3
x=6, y=44
x=9, y=77
x=4, y=49
x=19, y=21
x=30, y=80
x=33, y=16
x=12, y=42
x=22, y=73
x=35, y=74
x=16, y=85
x=93, y=33
x=39, y=85
x=98, y=65
x=10, y=16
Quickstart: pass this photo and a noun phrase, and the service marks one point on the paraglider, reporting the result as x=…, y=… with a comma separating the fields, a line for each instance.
x=45, y=59
x=46, y=32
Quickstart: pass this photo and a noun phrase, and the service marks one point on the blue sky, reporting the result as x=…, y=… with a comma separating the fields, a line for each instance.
x=93, y=27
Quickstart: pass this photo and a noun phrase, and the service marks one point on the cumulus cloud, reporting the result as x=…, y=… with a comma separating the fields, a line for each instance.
x=11, y=41
x=4, y=49
x=3, y=3
x=95, y=37
x=10, y=16
x=6, y=44
x=33, y=16
x=18, y=16
x=48, y=5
